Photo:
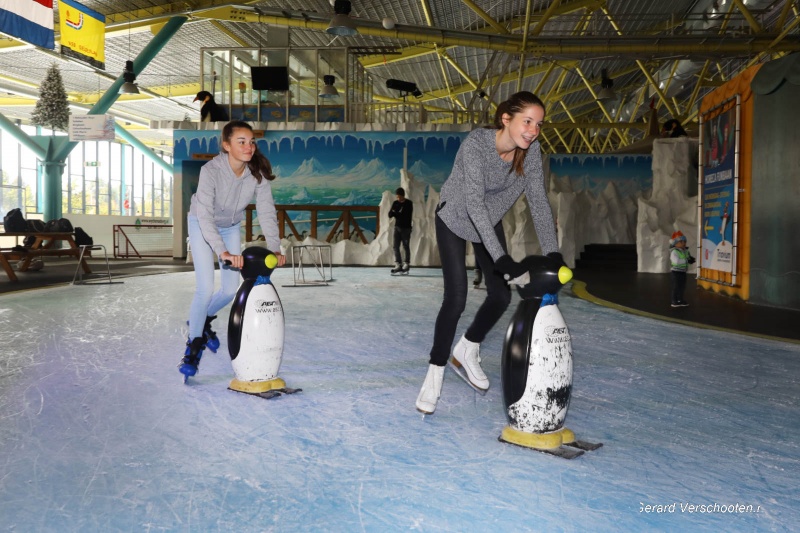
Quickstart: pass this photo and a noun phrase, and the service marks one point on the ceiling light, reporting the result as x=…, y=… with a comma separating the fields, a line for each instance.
x=606, y=88
x=328, y=91
x=341, y=23
x=128, y=75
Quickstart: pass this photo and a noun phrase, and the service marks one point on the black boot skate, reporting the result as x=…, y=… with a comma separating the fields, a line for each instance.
x=191, y=358
x=478, y=278
x=212, y=341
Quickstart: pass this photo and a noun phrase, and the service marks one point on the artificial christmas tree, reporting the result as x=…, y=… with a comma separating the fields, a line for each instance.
x=52, y=110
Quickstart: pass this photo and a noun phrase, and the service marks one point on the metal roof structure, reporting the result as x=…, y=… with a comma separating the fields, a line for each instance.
x=462, y=54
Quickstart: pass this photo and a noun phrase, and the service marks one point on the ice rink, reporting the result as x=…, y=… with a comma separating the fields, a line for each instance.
x=98, y=432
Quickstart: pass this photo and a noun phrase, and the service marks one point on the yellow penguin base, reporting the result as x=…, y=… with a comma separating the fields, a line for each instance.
x=537, y=441
x=255, y=387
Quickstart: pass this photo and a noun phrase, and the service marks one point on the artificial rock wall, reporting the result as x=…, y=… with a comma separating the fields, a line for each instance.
x=671, y=206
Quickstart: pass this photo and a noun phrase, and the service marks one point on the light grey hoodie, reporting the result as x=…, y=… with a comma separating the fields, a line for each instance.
x=222, y=197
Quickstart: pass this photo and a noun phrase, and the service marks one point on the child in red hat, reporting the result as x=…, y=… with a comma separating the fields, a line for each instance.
x=679, y=259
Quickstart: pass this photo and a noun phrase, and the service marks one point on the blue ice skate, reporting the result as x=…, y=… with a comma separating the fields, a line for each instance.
x=191, y=359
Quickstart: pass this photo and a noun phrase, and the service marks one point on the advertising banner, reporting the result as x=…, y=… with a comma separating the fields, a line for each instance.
x=720, y=172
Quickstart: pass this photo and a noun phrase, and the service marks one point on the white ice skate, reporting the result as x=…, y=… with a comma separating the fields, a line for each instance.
x=466, y=363
x=431, y=390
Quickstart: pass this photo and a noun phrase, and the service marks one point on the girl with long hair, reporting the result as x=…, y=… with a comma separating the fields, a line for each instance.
x=228, y=183
x=492, y=168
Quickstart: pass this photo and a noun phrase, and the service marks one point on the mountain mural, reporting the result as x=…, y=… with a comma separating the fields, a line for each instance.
x=340, y=168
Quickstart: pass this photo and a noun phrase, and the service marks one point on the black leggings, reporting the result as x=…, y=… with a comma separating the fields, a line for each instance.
x=453, y=253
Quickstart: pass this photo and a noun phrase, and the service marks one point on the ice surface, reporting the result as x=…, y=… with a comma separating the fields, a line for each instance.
x=98, y=432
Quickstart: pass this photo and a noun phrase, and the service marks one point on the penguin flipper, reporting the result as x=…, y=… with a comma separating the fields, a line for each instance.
x=236, y=320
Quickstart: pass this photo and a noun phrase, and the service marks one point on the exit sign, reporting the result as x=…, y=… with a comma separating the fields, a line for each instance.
x=91, y=163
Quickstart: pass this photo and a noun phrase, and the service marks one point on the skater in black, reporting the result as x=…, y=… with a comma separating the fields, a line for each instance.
x=493, y=167
x=401, y=212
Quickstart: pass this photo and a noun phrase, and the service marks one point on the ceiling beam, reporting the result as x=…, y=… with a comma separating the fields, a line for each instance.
x=701, y=46
x=499, y=28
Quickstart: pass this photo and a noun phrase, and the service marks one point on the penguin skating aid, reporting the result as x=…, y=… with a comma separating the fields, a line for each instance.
x=256, y=329
x=537, y=365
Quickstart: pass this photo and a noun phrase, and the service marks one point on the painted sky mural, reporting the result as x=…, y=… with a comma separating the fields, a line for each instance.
x=356, y=168
x=630, y=174
x=340, y=168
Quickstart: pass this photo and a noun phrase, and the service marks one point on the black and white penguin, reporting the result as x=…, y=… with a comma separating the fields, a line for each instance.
x=256, y=327
x=210, y=111
x=536, y=366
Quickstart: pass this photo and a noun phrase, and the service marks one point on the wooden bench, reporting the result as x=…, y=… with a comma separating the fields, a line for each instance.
x=43, y=246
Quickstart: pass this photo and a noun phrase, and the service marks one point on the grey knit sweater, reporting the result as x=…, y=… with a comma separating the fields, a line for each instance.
x=221, y=198
x=480, y=191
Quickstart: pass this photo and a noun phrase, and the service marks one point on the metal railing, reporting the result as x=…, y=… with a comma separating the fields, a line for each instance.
x=346, y=221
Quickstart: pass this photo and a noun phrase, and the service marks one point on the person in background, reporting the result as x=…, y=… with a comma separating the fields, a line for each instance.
x=679, y=259
x=210, y=111
x=672, y=128
x=478, y=277
x=228, y=184
x=493, y=167
x=401, y=211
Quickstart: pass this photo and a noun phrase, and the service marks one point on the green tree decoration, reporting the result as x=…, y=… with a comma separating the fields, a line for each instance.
x=52, y=110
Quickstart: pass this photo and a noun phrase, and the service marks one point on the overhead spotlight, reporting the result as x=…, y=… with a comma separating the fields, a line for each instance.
x=328, y=91
x=606, y=88
x=388, y=23
x=405, y=87
x=129, y=76
x=341, y=23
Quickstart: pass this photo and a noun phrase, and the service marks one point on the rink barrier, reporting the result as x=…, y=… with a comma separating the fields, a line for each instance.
x=142, y=240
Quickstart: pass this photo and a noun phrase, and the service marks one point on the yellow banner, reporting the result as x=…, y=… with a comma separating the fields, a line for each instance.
x=83, y=33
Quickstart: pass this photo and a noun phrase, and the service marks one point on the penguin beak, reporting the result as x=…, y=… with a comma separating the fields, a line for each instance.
x=564, y=275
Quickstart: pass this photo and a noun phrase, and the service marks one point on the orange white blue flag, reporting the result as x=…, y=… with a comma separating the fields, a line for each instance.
x=28, y=20
x=83, y=33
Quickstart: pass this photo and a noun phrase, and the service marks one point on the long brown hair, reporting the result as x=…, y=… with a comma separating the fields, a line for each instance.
x=515, y=104
x=259, y=165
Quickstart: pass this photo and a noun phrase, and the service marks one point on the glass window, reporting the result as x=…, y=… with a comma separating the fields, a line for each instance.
x=115, y=179
x=138, y=183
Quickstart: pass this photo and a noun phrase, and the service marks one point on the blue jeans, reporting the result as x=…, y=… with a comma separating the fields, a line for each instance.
x=206, y=302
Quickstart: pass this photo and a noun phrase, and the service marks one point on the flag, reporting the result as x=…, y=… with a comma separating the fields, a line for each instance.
x=28, y=20
x=83, y=33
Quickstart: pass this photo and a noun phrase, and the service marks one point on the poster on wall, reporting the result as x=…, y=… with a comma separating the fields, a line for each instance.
x=91, y=128
x=719, y=186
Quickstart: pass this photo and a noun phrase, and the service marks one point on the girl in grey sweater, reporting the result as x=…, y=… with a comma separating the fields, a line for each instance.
x=492, y=168
x=228, y=183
